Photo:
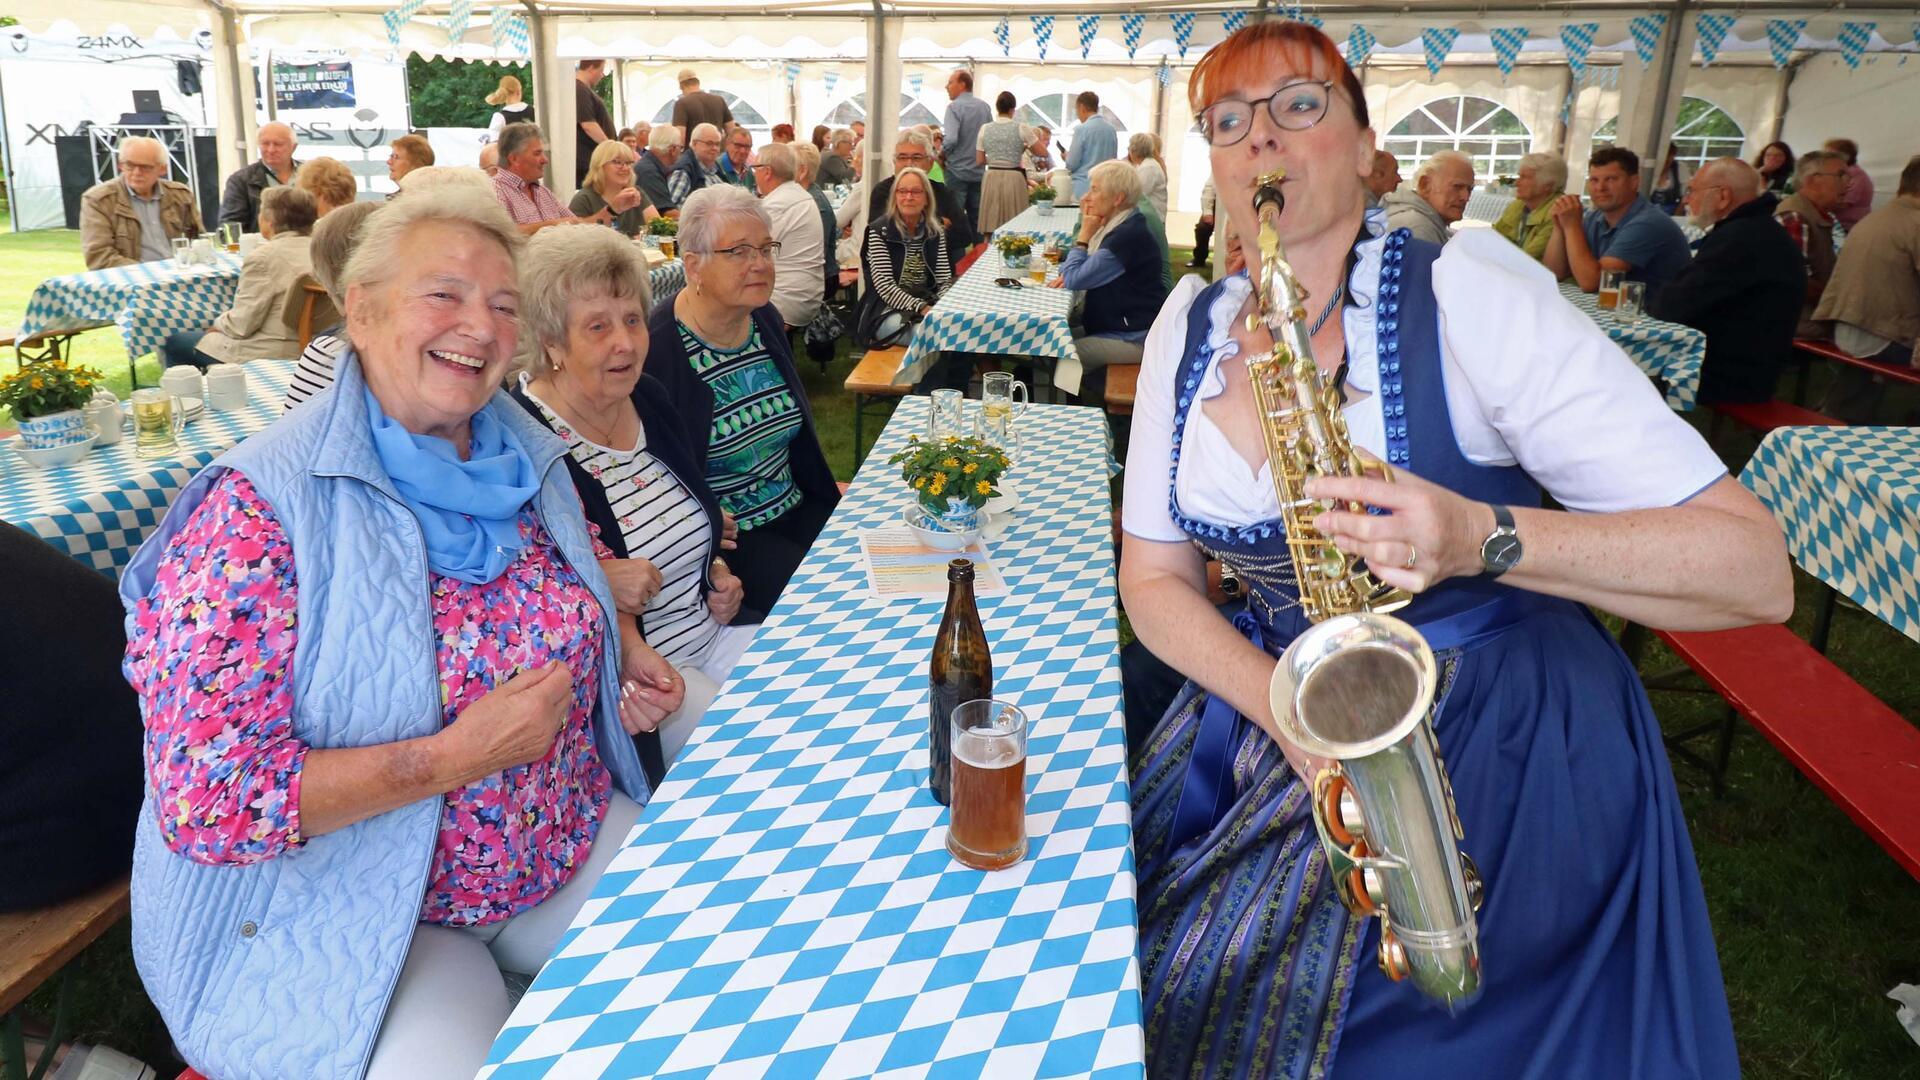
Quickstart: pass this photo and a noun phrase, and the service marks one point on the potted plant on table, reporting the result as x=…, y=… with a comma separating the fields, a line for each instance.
x=1015, y=249
x=952, y=479
x=46, y=399
x=664, y=230
x=1042, y=197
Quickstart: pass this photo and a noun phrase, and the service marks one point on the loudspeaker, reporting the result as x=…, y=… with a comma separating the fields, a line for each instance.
x=189, y=73
x=74, y=153
x=206, y=162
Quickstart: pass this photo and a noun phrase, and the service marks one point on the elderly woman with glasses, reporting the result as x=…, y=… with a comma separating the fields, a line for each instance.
x=584, y=312
x=1465, y=369
x=907, y=260
x=610, y=187
x=721, y=351
x=389, y=701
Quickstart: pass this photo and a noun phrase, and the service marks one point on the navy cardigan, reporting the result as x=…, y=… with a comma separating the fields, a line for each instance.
x=692, y=400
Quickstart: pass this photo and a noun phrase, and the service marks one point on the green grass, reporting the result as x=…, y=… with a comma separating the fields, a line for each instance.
x=1814, y=923
x=27, y=259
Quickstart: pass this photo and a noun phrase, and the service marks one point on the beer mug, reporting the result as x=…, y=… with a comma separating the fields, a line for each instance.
x=158, y=419
x=1002, y=395
x=1609, y=294
x=988, y=826
x=1632, y=302
x=230, y=236
x=182, y=250
x=947, y=419
x=669, y=247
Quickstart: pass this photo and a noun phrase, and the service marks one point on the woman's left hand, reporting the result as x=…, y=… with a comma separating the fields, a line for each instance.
x=729, y=532
x=1428, y=535
x=634, y=583
x=650, y=690
x=724, y=600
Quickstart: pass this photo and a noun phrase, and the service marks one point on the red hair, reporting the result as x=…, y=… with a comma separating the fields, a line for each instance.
x=1253, y=52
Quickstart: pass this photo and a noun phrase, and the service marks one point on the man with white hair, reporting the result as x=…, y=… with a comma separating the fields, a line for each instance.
x=134, y=219
x=695, y=106
x=1528, y=219
x=1743, y=287
x=914, y=150
x=1439, y=197
x=240, y=202
x=699, y=167
x=653, y=172
x=490, y=158
x=798, y=284
x=1117, y=269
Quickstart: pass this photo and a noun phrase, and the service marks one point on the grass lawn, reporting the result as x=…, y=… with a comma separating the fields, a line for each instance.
x=1814, y=923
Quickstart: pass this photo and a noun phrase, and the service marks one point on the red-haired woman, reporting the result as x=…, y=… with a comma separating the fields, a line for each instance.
x=1472, y=376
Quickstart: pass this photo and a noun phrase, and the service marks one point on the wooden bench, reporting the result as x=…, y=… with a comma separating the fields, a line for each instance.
x=1122, y=380
x=34, y=945
x=1763, y=416
x=870, y=382
x=1862, y=754
x=1827, y=350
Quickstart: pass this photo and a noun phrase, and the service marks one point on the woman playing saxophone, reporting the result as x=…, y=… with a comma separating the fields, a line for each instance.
x=1483, y=390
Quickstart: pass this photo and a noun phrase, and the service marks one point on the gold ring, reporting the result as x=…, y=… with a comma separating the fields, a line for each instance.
x=1413, y=556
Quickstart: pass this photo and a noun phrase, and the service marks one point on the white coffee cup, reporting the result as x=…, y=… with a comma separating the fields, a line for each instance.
x=249, y=243
x=227, y=388
x=103, y=416
x=183, y=382
x=203, y=251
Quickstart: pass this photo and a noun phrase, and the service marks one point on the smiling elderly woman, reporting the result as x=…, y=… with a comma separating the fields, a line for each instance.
x=585, y=316
x=1466, y=369
x=721, y=351
x=388, y=700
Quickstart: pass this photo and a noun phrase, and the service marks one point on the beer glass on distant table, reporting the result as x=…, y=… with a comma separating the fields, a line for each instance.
x=1609, y=294
x=988, y=828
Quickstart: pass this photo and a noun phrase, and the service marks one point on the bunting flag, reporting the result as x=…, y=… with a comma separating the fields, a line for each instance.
x=1183, y=30
x=1782, y=36
x=1164, y=74
x=1232, y=20
x=1003, y=34
x=1646, y=31
x=1577, y=39
x=1131, y=27
x=1360, y=43
x=914, y=83
x=793, y=73
x=1506, y=45
x=398, y=17
x=1713, y=30
x=828, y=81
x=459, y=14
x=1042, y=32
x=1438, y=42
x=1089, y=26
x=510, y=32
x=1853, y=41
x=1295, y=13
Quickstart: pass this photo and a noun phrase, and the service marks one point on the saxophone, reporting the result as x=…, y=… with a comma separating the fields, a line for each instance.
x=1357, y=686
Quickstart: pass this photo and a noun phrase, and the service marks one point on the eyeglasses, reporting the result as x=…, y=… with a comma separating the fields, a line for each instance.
x=135, y=166
x=706, y=142
x=1296, y=106
x=748, y=252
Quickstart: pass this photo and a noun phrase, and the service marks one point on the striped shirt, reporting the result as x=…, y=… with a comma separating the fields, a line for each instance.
x=314, y=372
x=660, y=521
x=528, y=202
x=755, y=418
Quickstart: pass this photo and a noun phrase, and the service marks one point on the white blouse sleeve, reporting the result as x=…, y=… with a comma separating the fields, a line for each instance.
x=1551, y=392
x=1144, y=509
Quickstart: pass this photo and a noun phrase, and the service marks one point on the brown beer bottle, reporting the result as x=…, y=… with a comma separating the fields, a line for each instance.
x=962, y=671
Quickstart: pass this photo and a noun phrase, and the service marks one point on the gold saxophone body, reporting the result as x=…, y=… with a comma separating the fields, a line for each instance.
x=1358, y=685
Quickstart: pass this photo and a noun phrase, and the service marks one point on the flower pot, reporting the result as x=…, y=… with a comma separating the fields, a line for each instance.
x=950, y=530
x=56, y=429
x=1045, y=206
x=1017, y=262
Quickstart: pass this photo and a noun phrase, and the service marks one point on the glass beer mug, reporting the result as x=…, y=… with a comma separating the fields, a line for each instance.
x=988, y=826
x=158, y=419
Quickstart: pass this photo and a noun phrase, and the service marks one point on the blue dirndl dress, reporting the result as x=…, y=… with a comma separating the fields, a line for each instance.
x=1598, y=956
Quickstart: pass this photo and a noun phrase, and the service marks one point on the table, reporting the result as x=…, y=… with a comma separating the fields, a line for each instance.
x=100, y=509
x=1055, y=227
x=147, y=301
x=1848, y=499
x=667, y=280
x=786, y=906
x=1487, y=206
x=1666, y=351
x=978, y=316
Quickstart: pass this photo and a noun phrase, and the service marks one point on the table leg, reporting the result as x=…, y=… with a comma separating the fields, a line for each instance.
x=1823, y=619
x=13, y=1043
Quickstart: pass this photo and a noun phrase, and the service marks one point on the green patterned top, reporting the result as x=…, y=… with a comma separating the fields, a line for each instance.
x=755, y=419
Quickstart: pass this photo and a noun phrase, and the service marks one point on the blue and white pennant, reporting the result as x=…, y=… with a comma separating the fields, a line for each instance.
x=828, y=81
x=1437, y=41
x=1713, y=31
x=1042, y=32
x=1003, y=34
x=793, y=73
x=459, y=14
x=1507, y=41
x=914, y=85
x=398, y=17
x=1232, y=20
x=1854, y=37
x=1089, y=27
x=1295, y=13
x=1164, y=74
x=1183, y=30
x=1360, y=43
x=1782, y=36
x=510, y=32
x=1131, y=27
x=1577, y=39
x=1645, y=31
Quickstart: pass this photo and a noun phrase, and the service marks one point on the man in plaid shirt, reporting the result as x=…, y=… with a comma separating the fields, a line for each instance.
x=523, y=159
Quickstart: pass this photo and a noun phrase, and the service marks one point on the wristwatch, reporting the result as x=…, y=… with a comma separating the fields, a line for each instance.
x=1500, y=551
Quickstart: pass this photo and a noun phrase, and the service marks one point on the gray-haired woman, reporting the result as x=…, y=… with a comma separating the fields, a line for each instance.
x=721, y=351
x=583, y=317
x=375, y=784
x=1143, y=153
x=334, y=238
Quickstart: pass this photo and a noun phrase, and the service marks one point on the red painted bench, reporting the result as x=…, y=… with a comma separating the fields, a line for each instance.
x=1764, y=416
x=1862, y=754
x=1827, y=350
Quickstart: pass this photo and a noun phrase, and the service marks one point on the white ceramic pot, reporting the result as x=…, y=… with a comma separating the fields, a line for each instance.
x=56, y=429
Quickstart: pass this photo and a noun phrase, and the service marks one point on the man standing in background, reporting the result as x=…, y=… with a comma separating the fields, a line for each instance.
x=966, y=115
x=1859, y=201
x=695, y=106
x=1094, y=141
x=590, y=113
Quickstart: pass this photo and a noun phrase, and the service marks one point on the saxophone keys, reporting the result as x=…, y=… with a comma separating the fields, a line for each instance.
x=1393, y=956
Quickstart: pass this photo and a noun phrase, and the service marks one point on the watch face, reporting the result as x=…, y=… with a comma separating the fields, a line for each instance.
x=1501, y=551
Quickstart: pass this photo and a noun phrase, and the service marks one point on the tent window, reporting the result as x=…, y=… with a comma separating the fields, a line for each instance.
x=1056, y=111
x=744, y=114
x=1703, y=132
x=1484, y=130
x=912, y=113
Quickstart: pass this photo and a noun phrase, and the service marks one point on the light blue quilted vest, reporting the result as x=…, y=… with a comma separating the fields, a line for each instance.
x=284, y=968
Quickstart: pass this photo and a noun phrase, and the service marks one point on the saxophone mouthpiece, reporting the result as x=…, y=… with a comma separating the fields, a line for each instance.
x=1267, y=192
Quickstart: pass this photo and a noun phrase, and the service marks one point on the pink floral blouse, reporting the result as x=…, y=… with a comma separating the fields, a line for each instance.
x=211, y=657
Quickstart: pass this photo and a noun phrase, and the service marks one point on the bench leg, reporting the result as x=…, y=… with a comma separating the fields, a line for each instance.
x=13, y=1043
x=1823, y=619
x=1800, y=386
x=1722, y=750
x=859, y=413
x=1633, y=642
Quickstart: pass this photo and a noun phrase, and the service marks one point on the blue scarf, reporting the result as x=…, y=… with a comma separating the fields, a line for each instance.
x=468, y=510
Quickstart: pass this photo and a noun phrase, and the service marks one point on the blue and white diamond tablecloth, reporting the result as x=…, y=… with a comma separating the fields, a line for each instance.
x=667, y=280
x=1054, y=226
x=1848, y=499
x=786, y=906
x=147, y=301
x=980, y=317
x=100, y=509
x=1487, y=206
x=1666, y=351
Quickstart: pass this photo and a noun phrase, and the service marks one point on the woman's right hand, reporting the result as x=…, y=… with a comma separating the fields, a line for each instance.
x=624, y=200
x=513, y=724
x=634, y=583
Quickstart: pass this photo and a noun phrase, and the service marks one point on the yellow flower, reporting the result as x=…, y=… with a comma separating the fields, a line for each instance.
x=938, y=485
x=950, y=463
x=970, y=468
x=982, y=487
x=920, y=483
x=37, y=384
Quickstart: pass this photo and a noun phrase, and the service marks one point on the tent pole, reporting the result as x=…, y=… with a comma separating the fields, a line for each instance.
x=233, y=117
x=555, y=111
x=883, y=96
x=1673, y=68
